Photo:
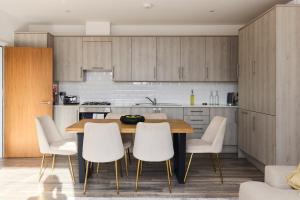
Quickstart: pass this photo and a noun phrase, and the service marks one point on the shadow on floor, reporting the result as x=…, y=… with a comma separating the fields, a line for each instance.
x=52, y=190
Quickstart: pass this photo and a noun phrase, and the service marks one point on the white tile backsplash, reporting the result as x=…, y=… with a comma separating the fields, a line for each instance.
x=100, y=87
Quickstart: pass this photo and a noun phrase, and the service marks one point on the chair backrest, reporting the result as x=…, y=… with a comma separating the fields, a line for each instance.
x=155, y=116
x=102, y=142
x=215, y=132
x=114, y=115
x=153, y=142
x=47, y=133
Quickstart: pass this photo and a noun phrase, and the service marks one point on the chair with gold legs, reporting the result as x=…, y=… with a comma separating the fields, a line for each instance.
x=102, y=143
x=52, y=143
x=210, y=143
x=153, y=143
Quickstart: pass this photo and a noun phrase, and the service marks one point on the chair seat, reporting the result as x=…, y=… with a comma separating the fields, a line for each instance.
x=198, y=146
x=63, y=147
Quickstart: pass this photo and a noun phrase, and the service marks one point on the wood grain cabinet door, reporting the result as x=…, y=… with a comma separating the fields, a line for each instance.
x=28, y=79
x=231, y=126
x=97, y=55
x=144, y=59
x=68, y=59
x=168, y=59
x=121, y=58
x=244, y=132
x=193, y=59
x=221, y=59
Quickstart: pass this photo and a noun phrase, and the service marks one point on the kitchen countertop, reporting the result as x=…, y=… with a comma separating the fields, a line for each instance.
x=158, y=106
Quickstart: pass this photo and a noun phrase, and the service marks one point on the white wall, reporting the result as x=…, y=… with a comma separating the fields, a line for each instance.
x=100, y=87
x=8, y=25
x=143, y=29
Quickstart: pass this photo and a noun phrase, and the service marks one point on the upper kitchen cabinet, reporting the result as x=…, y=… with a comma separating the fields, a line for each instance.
x=32, y=39
x=68, y=59
x=168, y=59
x=97, y=53
x=193, y=59
x=221, y=58
x=143, y=59
x=121, y=58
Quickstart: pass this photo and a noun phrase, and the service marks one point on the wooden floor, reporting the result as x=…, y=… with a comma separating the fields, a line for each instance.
x=19, y=180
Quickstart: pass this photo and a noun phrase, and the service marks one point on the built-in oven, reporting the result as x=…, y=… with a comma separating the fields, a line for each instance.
x=93, y=112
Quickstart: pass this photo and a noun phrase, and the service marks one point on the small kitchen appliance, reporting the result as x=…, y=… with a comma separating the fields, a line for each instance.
x=232, y=98
x=71, y=100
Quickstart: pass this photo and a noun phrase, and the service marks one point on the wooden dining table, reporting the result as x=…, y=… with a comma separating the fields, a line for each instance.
x=179, y=129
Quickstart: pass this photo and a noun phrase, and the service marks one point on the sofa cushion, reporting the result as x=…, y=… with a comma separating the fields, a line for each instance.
x=294, y=179
x=261, y=191
x=276, y=176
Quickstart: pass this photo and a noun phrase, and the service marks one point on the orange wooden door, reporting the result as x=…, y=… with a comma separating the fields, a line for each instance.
x=28, y=78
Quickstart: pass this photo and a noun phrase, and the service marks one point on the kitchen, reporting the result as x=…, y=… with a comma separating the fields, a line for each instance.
x=84, y=73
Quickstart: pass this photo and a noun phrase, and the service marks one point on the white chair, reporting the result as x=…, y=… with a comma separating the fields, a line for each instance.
x=211, y=142
x=275, y=186
x=51, y=142
x=153, y=143
x=155, y=116
x=127, y=142
x=102, y=143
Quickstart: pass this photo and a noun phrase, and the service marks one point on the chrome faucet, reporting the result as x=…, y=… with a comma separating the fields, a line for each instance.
x=154, y=102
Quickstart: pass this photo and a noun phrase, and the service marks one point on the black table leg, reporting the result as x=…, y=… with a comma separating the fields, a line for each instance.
x=81, y=161
x=179, y=143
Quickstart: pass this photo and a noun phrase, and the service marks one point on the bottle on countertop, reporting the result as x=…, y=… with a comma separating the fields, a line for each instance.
x=211, y=98
x=192, y=98
x=217, y=99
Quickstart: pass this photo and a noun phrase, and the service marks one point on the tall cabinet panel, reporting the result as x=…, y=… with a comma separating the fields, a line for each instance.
x=218, y=59
x=143, y=58
x=68, y=59
x=193, y=59
x=168, y=59
x=121, y=58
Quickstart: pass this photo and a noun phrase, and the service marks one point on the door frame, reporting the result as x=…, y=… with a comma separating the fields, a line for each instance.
x=1, y=98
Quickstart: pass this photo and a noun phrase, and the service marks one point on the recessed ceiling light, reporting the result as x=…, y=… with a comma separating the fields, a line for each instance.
x=67, y=11
x=212, y=11
x=148, y=5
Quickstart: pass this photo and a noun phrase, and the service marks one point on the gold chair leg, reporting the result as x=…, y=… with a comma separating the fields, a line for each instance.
x=137, y=175
x=170, y=168
x=141, y=167
x=86, y=175
x=126, y=163
x=41, y=169
x=98, y=167
x=219, y=166
x=71, y=169
x=212, y=156
x=187, y=170
x=168, y=172
x=53, y=162
x=117, y=178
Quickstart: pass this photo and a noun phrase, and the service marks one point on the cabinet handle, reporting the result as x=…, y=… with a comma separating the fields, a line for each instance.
x=154, y=73
x=237, y=70
x=195, y=111
x=113, y=72
x=97, y=67
x=253, y=67
x=236, y=116
x=206, y=71
x=197, y=120
x=179, y=73
x=81, y=71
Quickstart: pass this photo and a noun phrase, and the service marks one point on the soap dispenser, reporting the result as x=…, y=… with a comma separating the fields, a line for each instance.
x=192, y=98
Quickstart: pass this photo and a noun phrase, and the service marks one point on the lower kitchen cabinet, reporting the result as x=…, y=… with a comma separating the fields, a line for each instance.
x=172, y=113
x=65, y=116
x=257, y=136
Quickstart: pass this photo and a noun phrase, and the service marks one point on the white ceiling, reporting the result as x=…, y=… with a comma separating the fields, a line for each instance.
x=185, y=12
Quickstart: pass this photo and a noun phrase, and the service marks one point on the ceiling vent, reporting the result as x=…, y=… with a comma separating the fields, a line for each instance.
x=97, y=28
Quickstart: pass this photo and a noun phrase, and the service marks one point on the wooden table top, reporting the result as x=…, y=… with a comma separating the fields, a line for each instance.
x=177, y=126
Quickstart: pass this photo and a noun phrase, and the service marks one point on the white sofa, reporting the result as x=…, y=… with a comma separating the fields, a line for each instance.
x=275, y=186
